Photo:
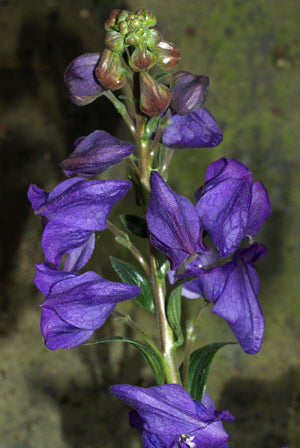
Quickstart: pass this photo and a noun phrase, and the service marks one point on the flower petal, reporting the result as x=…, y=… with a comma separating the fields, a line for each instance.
x=85, y=301
x=239, y=306
x=224, y=203
x=260, y=209
x=80, y=79
x=94, y=154
x=173, y=222
x=83, y=204
x=59, y=239
x=196, y=129
x=59, y=334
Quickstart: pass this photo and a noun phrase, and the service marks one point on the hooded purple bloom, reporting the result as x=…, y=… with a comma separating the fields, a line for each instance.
x=94, y=154
x=197, y=129
x=173, y=223
x=76, y=305
x=230, y=206
x=234, y=289
x=168, y=417
x=81, y=81
x=71, y=212
x=188, y=92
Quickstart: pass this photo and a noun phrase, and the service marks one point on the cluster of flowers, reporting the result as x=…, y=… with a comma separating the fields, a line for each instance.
x=196, y=239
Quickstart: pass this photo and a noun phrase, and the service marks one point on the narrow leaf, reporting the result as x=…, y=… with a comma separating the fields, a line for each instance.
x=135, y=225
x=134, y=276
x=150, y=356
x=174, y=315
x=199, y=365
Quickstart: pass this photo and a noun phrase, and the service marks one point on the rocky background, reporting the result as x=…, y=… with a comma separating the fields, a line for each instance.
x=250, y=50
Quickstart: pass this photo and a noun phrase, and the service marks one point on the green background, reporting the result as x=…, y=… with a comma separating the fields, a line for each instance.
x=250, y=50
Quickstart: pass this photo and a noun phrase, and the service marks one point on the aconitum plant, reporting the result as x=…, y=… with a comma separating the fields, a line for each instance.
x=202, y=250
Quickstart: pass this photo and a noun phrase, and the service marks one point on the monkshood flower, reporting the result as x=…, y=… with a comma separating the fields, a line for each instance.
x=230, y=206
x=188, y=92
x=196, y=129
x=71, y=213
x=76, y=305
x=94, y=154
x=233, y=288
x=173, y=223
x=167, y=417
x=81, y=81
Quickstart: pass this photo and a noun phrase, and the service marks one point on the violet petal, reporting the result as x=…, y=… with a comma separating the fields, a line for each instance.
x=81, y=82
x=196, y=129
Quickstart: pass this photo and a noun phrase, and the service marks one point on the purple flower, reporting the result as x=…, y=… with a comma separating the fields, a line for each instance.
x=173, y=223
x=197, y=129
x=71, y=212
x=234, y=289
x=230, y=206
x=167, y=417
x=81, y=81
x=94, y=154
x=188, y=92
x=76, y=305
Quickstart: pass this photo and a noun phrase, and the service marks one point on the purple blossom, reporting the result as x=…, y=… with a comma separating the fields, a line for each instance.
x=167, y=417
x=230, y=206
x=81, y=81
x=71, y=212
x=234, y=288
x=76, y=305
x=94, y=154
x=197, y=129
x=188, y=92
x=173, y=223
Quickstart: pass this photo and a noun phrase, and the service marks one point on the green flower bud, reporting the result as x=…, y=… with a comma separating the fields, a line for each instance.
x=114, y=40
x=152, y=38
x=141, y=58
x=167, y=55
x=154, y=98
x=150, y=19
x=109, y=71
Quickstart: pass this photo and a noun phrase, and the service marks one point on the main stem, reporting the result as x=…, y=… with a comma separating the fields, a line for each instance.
x=166, y=333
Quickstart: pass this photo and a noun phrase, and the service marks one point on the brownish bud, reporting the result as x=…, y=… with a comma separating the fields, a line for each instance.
x=109, y=71
x=167, y=55
x=155, y=98
x=141, y=58
x=111, y=21
x=114, y=40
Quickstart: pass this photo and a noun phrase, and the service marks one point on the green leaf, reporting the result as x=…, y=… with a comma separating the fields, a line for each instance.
x=150, y=356
x=134, y=276
x=135, y=225
x=174, y=315
x=199, y=365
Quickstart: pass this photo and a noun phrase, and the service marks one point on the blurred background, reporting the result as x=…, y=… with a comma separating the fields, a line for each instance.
x=250, y=50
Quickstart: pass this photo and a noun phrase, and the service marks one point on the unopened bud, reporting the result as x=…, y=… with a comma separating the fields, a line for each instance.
x=188, y=92
x=109, y=71
x=114, y=41
x=150, y=19
x=141, y=58
x=167, y=55
x=111, y=21
x=155, y=98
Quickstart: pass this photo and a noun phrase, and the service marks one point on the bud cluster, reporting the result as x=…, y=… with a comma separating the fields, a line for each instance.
x=135, y=36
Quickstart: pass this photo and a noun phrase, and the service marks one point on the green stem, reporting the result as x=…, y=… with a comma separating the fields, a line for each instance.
x=166, y=333
x=130, y=246
x=121, y=108
x=188, y=343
